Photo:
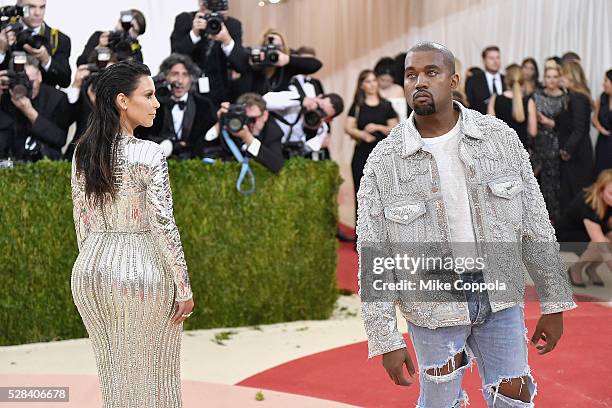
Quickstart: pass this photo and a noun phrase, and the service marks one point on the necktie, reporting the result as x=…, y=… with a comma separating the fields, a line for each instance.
x=495, y=89
x=180, y=104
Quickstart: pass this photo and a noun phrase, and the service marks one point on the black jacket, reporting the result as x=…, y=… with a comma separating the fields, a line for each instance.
x=477, y=91
x=199, y=116
x=271, y=151
x=92, y=43
x=206, y=53
x=58, y=45
x=257, y=82
x=79, y=113
x=49, y=130
x=574, y=125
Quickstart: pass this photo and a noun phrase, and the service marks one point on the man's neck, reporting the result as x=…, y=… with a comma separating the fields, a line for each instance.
x=437, y=124
x=492, y=72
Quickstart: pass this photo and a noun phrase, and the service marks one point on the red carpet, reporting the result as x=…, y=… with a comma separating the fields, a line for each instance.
x=576, y=374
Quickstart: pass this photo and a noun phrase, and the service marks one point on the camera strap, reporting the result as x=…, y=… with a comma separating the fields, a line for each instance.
x=244, y=161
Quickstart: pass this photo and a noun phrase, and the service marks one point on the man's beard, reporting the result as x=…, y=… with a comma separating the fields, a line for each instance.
x=425, y=110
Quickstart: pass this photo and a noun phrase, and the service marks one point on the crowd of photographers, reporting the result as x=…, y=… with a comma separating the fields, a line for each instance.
x=214, y=92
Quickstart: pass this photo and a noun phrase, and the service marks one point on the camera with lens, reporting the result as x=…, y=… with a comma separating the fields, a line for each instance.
x=214, y=19
x=270, y=53
x=8, y=12
x=120, y=41
x=314, y=118
x=101, y=58
x=235, y=118
x=25, y=36
x=19, y=82
x=163, y=88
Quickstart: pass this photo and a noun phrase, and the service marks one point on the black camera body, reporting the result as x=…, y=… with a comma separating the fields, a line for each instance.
x=25, y=36
x=163, y=88
x=235, y=118
x=101, y=58
x=14, y=11
x=270, y=53
x=314, y=118
x=214, y=18
x=19, y=82
x=120, y=41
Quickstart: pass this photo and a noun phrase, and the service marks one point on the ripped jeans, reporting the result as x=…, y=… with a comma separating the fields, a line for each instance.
x=497, y=341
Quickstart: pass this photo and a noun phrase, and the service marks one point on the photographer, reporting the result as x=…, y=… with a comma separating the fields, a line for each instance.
x=255, y=134
x=82, y=93
x=196, y=34
x=269, y=68
x=123, y=41
x=33, y=116
x=303, y=118
x=184, y=116
x=48, y=45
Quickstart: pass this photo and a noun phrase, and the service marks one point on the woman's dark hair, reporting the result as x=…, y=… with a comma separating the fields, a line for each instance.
x=385, y=66
x=140, y=19
x=536, y=73
x=400, y=60
x=359, y=98
x=609, y=74
x=95, y=152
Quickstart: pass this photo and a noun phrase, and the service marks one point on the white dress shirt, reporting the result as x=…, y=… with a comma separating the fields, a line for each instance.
x=177, y=116
x=494, y=78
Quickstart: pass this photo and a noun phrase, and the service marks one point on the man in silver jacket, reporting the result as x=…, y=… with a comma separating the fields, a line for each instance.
x=450, y=181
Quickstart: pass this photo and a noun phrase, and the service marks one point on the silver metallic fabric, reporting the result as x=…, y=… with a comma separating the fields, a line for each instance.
x=129, y=272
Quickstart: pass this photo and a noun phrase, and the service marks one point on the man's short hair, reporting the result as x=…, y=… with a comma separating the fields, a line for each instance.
x=570, y=56
x=447, y=55
x=336, y=101
x=176, y=58
x=252, y=99
x=489, y=49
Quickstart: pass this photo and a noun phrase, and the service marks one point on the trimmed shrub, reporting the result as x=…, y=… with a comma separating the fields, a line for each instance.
x=265, y=258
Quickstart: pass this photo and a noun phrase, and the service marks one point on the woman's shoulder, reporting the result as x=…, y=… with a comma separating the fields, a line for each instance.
x=143, y=152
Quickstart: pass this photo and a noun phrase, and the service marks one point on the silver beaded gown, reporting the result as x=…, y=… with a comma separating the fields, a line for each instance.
x=127, y=276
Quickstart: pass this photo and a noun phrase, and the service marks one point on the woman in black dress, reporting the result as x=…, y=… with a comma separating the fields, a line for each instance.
x=518, y=111
x=575, y=147
x=587, y=219
x=369, y=120
x=602, y=120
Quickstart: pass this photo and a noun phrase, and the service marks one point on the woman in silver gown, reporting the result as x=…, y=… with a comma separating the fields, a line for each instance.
x=129, y=281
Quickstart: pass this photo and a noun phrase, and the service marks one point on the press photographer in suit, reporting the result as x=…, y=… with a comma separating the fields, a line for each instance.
x=184, y=116
x=196, y=34
x=48, y=45
x=482, y=84
x=34, y=116
x=258, y=136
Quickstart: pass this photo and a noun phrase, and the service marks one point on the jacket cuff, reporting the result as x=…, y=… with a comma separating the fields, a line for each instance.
x=556, y=307
x=377, y=347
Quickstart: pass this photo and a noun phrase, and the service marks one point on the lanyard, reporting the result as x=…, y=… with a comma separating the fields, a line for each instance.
x=244, y=161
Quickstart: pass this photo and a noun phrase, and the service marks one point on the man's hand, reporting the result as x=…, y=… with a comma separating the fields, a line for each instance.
x=394, y=362
x=565, y=156
x=245, y=135
x=80, y=75
x=223, y=37
x=199, y=24
x=309, y=103
x=4, y=42
x=4, y=81
x=549, y=329
x=40, y=54
x=283, y=59
x=24, y=104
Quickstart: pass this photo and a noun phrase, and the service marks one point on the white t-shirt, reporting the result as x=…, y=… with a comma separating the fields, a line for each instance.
x=453, y=187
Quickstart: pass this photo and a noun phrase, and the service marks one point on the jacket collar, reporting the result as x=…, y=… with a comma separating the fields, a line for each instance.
x=407, y=139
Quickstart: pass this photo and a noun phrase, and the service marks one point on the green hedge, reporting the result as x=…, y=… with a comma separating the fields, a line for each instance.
x=265, y=258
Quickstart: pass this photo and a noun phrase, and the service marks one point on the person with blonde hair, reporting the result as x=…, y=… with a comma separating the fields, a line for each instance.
x=575, y=147
x=514, y=108
x=588, y=220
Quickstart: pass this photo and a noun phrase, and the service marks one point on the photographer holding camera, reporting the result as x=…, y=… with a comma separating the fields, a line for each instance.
x=34, y=116
x=197, y=34
x=122, y=41
x=184, y=116
x=303, y=117
x=269, y=68
x=247, y=123
x=31, y=34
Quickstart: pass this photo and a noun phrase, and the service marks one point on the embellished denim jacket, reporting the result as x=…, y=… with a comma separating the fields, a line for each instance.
x=399, y=200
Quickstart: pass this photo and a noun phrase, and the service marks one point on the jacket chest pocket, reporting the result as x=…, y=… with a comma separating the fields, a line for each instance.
x=406, y=221
x=506, y=199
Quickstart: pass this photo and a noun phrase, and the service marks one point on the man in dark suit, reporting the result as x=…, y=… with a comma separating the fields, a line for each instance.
x=205, y=50
x=481, y=85
x=54, y=53
x=260, y=137
x=33, y=126
x=184, y=116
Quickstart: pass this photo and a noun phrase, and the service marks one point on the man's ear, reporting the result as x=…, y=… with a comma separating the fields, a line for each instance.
x=266, y=115
x=455, y=79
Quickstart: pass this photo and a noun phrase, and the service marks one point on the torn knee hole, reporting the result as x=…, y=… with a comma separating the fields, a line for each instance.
x=515, y=388
x=457, y=361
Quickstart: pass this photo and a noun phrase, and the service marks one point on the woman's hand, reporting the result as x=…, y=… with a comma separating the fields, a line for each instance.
x=183, y=311
x=372, y=128
x=367, y=137
x=546, y=121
